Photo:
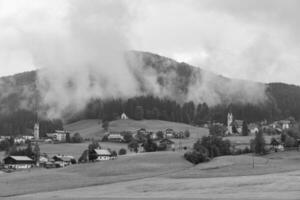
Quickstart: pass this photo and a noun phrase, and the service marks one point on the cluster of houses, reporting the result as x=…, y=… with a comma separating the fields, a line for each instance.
x=167, y=134
x=275, y=127
x=56, y=161
x=56, y=136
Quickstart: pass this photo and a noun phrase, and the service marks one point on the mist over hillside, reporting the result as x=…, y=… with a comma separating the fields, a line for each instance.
x=152, y=75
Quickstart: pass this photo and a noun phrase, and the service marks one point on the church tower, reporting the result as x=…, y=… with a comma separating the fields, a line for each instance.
x=36, y=131
x=229, y=123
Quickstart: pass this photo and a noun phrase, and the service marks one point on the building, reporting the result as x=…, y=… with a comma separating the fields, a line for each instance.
x=285, y=124
x=63, y=161
x=36, y=131
x=253, y=129
x=169, y=133
x=124, y=116
x=229, y=123
x=103, y=154
x=58, y=136
x=115, y=137
x=170, y=145
x=18, y=162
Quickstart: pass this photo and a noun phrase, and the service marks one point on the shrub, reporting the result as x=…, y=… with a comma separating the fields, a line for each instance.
x=196, y=157
x=290, y=142
x=122, y=151
x=133, y=146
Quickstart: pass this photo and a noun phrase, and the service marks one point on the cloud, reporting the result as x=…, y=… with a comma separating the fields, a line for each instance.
x=239, y=39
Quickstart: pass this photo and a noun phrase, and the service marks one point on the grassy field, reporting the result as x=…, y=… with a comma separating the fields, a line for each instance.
x=275, y=176
x=93, y=129
x=128, y=167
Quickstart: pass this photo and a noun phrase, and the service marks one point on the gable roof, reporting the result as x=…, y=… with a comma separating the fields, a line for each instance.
x=166, y=141
x=21, y=158
x=102, y=152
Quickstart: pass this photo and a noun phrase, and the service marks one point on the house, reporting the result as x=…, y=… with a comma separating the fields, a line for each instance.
x=124, y=116
x=58, y=135
x=115, y=137
x=142, y=131
x=169, y=133
x=253, y=128
x=103, y=154
x=18, y=162
x=169, y=143
x=63, y=160
x=285, y=124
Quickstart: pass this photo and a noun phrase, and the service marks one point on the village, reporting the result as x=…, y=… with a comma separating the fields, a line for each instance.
x=164, y=140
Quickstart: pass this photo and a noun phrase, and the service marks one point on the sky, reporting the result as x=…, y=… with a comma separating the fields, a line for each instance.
x=250, y=39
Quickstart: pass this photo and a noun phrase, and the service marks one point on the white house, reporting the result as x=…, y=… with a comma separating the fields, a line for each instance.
x=124, y=116
x=58, y=135
x=103, y=154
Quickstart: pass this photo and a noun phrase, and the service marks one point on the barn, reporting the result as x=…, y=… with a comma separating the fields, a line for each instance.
x=18, y=162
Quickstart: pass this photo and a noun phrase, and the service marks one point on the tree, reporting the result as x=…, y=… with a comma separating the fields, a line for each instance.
x=105, y=125
x=91, y=153
x=216, y=130
x=160, y=135
x=68, y=137
x=133, y=146
x=139, y=113
x=122, y=151
x=245, y=130
x=36, y=152
x=198, y=154
x=149, y=145
x=127, y=137
x=187, y=133
x=259, y=143
x=77, y=138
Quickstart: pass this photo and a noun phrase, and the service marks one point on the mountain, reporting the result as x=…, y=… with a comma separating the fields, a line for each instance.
x=164, y=78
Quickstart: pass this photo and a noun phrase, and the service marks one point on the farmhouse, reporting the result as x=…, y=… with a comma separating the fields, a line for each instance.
x=58, y=136
x=63, y=160
x=170, y=145
x=115, y=137
x=18, y=162
x=169, y=133
x=103, y=154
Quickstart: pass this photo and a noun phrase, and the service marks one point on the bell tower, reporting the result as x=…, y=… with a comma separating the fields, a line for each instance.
x=229, y=123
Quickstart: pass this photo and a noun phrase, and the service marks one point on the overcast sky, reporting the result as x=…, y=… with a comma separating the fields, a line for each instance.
x=250, y=39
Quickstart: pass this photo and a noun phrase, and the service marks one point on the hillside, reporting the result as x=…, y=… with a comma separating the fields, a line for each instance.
x=175, y=84
x=92, y=128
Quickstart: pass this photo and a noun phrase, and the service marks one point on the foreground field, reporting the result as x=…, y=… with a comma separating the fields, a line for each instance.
x=163, y=176
x=129, y=167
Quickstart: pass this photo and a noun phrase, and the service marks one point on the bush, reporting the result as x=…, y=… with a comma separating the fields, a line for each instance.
x=290, y=142
x=187, y=133
x=122, y=151
x=196, y=157
x=133, y=146
x=77, y=138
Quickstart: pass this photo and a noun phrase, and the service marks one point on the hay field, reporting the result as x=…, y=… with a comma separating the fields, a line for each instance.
x=281, y=182
x=129, y=167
